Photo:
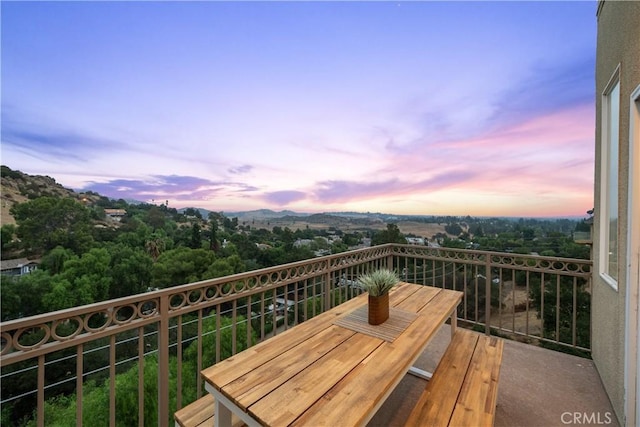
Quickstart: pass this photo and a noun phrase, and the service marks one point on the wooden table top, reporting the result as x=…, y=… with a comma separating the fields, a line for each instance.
x=321, y=373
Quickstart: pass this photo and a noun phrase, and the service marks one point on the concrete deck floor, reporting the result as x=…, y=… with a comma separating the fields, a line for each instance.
x=537, y=386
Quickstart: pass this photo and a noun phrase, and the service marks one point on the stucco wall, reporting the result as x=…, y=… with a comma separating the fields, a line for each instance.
x=618, y=44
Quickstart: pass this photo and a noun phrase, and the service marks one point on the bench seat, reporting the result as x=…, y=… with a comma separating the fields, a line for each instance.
x=201, y=413
x=196, y=414
x=464, y=387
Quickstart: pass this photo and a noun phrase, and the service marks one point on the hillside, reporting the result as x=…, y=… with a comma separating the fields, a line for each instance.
x=18, y=187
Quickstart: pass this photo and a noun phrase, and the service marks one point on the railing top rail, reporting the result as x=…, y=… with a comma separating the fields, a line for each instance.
x=547, y=264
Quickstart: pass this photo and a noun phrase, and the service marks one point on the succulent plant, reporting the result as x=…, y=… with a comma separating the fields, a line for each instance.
x=379, y=282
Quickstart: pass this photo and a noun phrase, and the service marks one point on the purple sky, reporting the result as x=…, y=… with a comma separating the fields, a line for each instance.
x=461, y=108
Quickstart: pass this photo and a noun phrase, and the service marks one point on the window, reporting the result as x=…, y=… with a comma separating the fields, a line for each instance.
x=609, y=183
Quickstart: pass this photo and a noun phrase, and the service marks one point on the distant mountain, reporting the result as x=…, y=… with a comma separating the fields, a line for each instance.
x=260, y=214
x=204, y=212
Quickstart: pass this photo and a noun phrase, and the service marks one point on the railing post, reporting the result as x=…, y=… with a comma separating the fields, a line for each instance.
x=327, y=287
x=389, y=262
x=487, y=295
x=163, y=362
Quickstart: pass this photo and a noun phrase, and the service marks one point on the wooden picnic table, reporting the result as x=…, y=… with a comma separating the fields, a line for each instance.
x=334, y=369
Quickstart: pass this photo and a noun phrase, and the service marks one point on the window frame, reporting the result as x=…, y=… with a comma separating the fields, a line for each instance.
x=609, y=194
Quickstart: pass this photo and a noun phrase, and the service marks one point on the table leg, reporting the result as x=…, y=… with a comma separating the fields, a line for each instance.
x=224, y=408
x=454, y=322
x=223, y=415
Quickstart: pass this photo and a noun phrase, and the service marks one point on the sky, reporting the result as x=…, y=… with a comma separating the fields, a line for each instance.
x=424, y=108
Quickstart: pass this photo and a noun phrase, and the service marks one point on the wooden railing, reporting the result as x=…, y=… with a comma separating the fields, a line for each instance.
x=135, y=360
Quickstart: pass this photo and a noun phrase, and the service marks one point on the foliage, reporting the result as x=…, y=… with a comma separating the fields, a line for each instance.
x=454, y=229
x=379, y=282
x=53, y=261
x=22, y=295
x=155, y=218
x=130, y=270
x=47, y=222
x=390, y=235
x=83, y=280
x=181, y=265
x=7, y=172
x=196, y=236
x=559, y=306
x=548, y=238
x=7, y=233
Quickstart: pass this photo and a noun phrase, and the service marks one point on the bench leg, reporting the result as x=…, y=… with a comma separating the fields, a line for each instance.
x=420, y=373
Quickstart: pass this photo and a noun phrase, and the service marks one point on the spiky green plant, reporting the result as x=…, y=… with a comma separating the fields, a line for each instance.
x=379, y=282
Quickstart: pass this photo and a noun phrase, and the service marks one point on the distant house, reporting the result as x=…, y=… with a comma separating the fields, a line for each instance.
x=18, y=267
x=115, y=214
x=280, y=306
x=302, y=242
x=415, y=241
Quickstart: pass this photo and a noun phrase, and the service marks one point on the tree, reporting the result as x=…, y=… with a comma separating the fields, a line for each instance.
x=83, y=281
x=390, y=235
x=230, y=224
x=453, y=228
x=6, y=236
x=155, y=218
x=181, y=265
x=22, y=296
x=224, y=267
x=196, y=236
x=338, y=247
x=130, y=271
x=191, y=212
x=54, y=261
x=154, y=247
x=47, y=222
x=214, y=245
x=245, y=247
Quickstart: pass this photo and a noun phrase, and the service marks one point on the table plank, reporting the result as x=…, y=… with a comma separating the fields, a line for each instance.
x=401, y=292
x=304, y=389
x=419, y=299
x=235, y=366
x=251, y=387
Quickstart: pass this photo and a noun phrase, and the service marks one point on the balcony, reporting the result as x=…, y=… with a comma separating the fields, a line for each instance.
x=134, y=360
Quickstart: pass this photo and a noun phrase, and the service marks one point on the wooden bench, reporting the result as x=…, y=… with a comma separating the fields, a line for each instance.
x=200, y=413
x=196, y=414
x=464, y=388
